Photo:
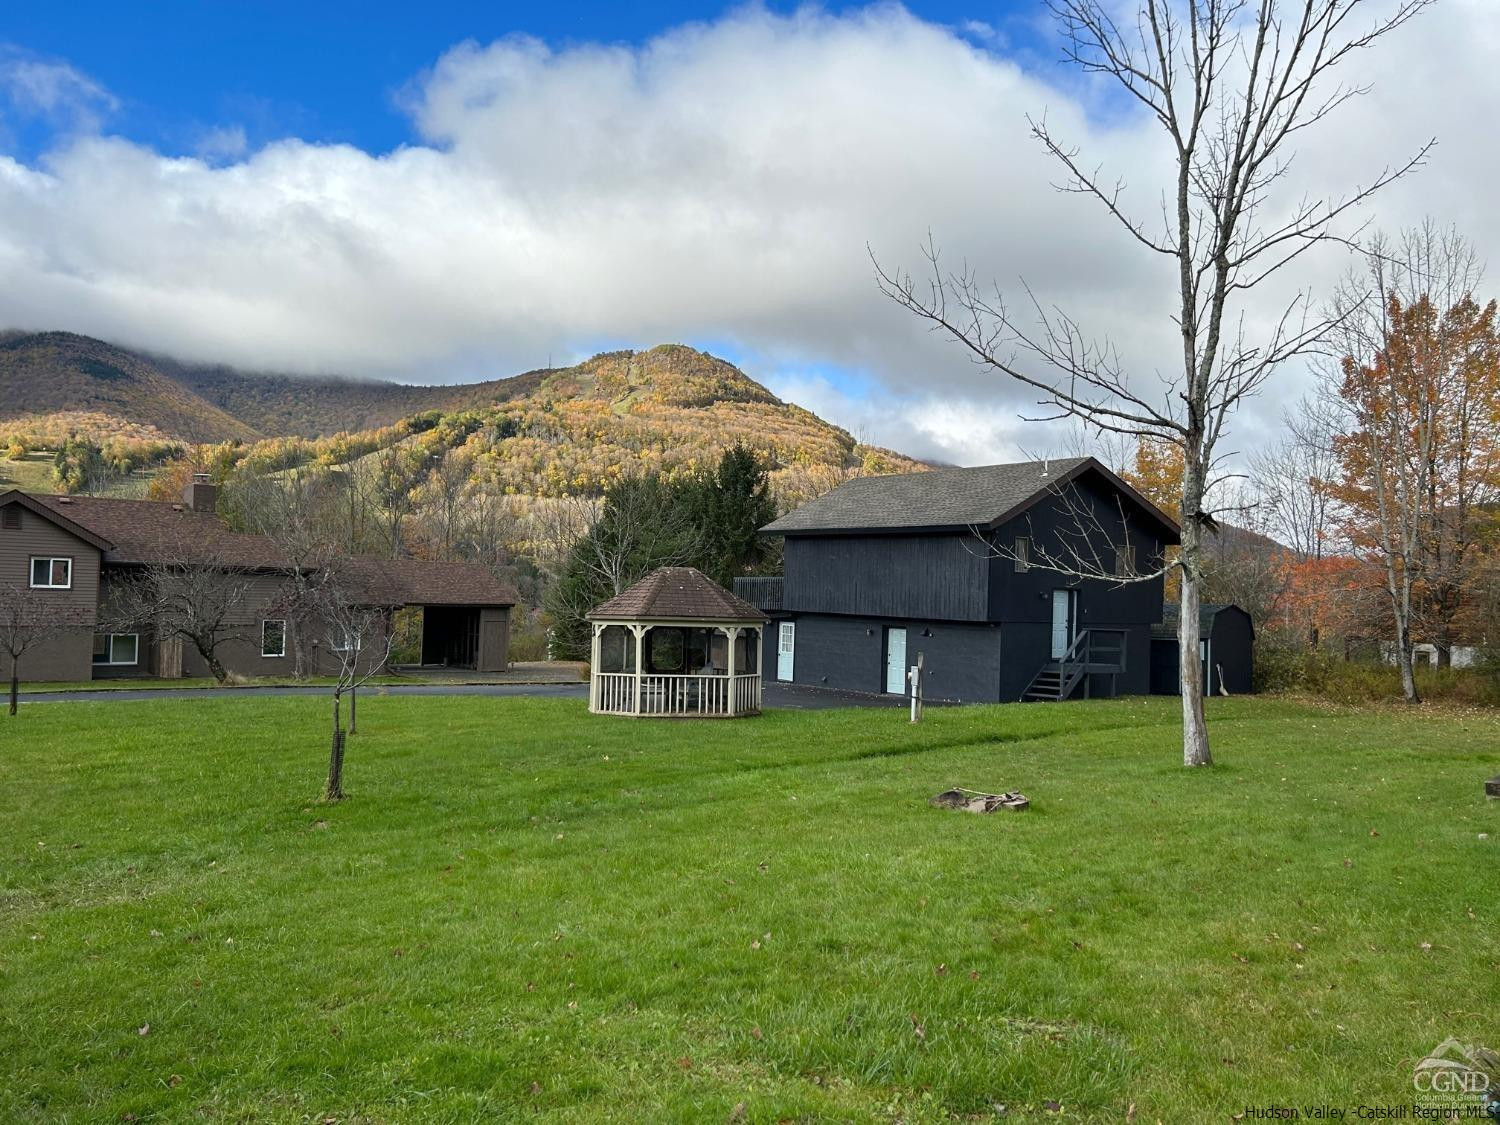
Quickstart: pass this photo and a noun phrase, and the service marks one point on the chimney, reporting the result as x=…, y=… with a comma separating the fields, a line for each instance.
x=200, y=495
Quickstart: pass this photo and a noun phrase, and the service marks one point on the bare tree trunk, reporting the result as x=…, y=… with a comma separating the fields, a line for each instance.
x=15, y=687
x=1195, y=750
x=334, y=790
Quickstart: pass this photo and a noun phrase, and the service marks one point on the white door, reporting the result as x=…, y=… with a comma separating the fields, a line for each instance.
x=786, y=641
x=1062, y=622
x=895, y=661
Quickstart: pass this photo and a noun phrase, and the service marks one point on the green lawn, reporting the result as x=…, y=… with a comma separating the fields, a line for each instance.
x=523, y=909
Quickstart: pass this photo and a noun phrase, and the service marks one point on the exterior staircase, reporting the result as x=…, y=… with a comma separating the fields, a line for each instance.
x=1093, y=652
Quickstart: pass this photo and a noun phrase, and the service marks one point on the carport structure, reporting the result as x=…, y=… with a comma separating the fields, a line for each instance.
x=465, y=610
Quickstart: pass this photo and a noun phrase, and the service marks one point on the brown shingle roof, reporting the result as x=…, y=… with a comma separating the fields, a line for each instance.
x=143, y=532
x=428, y=582
x=676, y=593
x=153, y=531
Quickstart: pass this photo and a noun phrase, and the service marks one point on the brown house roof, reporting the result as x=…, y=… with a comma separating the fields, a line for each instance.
x=677, y=593
x=142, y=532
x=152, y=531
x=428, y=582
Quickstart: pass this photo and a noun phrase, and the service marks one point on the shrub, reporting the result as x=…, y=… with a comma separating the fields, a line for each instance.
x=1321, y=673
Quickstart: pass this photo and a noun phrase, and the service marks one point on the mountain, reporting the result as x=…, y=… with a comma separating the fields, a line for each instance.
x=49, y=373
x=309, y=406
x=543, y=433
x=54, y=372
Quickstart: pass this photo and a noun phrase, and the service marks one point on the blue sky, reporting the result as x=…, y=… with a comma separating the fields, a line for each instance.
x=333, y=72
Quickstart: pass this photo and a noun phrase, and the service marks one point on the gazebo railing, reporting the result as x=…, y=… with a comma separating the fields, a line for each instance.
x=625, y=693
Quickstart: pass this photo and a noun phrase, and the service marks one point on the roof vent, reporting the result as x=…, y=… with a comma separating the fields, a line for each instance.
x=176, y=507
x=64, y=499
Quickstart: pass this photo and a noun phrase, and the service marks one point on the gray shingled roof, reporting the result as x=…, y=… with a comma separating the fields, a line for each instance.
x=944, y=498
x=677, y=593
x=1171, y=614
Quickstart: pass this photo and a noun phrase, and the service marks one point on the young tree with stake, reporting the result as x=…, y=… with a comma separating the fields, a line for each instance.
x=28, y=620
x=1231, y=84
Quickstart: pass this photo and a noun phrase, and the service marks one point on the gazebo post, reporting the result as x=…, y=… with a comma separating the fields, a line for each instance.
x=594, y=682
x=640, y=662
x=732, y=632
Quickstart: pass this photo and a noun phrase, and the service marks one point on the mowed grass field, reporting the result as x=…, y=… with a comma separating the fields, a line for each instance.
x=523, y=910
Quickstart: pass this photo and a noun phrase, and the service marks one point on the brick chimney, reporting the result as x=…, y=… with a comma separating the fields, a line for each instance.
x=200, y=495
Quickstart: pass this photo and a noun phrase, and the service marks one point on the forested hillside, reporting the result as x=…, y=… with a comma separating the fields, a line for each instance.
x=552, y=433
x=47, y=373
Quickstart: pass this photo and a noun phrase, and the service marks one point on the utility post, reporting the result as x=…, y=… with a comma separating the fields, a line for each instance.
x=915, y=676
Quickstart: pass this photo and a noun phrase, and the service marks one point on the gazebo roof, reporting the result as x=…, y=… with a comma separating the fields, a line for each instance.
x=677, y=593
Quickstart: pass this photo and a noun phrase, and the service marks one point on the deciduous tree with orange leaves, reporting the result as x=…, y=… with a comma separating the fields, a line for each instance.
x=1419, y=379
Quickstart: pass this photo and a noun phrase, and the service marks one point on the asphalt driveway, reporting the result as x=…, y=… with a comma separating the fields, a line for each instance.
x=775, y=695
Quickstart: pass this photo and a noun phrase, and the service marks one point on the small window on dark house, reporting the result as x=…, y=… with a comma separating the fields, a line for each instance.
x=1022, y=554
x=273, y=638
x=10, y=517
x=1125, y=561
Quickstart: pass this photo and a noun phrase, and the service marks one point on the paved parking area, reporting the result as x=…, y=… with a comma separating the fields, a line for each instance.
x=775, y=696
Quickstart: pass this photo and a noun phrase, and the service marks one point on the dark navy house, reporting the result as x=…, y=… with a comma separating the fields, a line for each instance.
x=963, y=566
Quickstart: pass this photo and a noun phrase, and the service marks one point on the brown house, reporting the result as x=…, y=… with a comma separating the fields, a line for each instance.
x=78, y=552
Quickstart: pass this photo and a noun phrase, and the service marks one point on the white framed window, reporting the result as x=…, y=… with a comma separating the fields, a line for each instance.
x=1022, y=554
x=273, y=638
x=116, y=648
x=350, y=641
x=51, y=574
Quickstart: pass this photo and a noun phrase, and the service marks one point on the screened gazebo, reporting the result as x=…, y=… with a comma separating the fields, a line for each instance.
x=676, y=643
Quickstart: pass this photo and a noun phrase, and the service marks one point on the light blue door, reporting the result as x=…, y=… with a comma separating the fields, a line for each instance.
x=895, y=661
x=1062, y=622
x=786, y=644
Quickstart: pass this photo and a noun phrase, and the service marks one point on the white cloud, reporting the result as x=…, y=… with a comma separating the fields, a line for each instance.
x=56, y=92
x=224, y=142
x=721, y=182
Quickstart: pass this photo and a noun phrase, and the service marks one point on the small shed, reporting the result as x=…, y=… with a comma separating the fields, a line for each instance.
x=1226, y=646
x=676, y=643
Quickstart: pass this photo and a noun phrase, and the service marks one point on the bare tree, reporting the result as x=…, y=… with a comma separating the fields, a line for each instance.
x=442, y=500
x=1232, y=84
x=488, y=530
x=28, y=620
x=203, y=602
x=358, y=638
x=297, y=510
x=390, y=477
x=1293, y=478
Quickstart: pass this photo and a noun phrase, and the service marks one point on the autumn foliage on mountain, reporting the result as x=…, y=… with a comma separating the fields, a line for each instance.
x=562, y=432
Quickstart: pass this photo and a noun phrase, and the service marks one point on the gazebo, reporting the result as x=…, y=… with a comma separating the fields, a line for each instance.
x=676, y=643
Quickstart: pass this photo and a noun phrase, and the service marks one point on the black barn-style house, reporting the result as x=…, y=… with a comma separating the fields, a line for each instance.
x=959, y=565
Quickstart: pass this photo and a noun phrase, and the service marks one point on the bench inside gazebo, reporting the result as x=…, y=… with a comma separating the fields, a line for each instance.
x=676, y=643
